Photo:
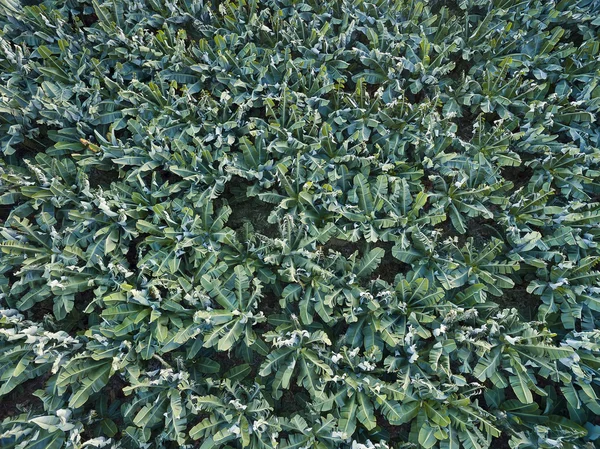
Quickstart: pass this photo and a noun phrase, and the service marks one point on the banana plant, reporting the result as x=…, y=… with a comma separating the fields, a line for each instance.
x=568, y=290
x=224, y=327
x=464, y=189
x=241, y=414
x=29, y=351
x=296, y=351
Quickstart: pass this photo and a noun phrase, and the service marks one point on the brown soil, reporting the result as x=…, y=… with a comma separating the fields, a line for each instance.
x=22, y=398
x=389, y=266
x=518, y=298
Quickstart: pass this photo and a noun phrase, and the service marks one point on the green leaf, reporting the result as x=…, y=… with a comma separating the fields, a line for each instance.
x=440, y=418
x=85, y=377
x=348, y=415
x=370, y=262
x=365, y=412
x=151, y=413
x=427, y=438
x=363, y=192
x=519, y=385
x=47, y=440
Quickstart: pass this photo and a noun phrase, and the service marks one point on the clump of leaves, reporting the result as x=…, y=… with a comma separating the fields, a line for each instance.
x=281, y=224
